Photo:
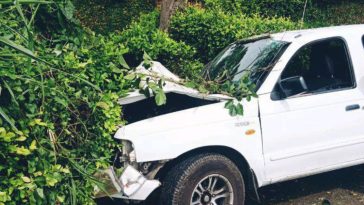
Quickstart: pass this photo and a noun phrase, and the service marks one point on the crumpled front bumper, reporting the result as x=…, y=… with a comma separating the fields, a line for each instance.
x=130, y=185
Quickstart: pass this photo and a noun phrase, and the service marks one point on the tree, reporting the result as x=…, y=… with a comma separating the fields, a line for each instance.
x=168, y=7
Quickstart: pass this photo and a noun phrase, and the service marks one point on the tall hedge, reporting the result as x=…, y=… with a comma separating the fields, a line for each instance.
x=209, y=31
x=266, y=8
x=144, y=36
x=318, y=12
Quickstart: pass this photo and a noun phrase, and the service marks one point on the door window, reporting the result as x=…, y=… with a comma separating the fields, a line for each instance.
x=318, y=67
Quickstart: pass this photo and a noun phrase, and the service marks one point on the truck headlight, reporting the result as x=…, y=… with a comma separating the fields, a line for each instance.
x=128, y=156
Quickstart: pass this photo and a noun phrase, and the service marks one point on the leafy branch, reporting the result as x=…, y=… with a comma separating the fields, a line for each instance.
x=152, y=84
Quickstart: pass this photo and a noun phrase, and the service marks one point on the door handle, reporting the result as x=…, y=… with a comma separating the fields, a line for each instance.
x=352, y=107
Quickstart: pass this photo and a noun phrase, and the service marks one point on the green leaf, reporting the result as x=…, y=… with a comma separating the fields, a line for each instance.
x=160, y=98
x=202, y=89
x=21, y=138
x=4, y=197
x=33, y=145
x=37, y=122
x=228, y=104
x=78, y=93
x=7, y=119
x=116, y=70
x=68, y=10
x=103, y=105
x=190, y=84
x=57, y=52
x=61, y=101
x=61, y=198
x=51, y=181
x=11, y=92
x=21, y=49
x=232, y=111
x=123, y=62
x=40, y=193
x=22, y=151
x=147, y=61
x=8, y=136
x=130, y=76
x=153, y=86
x=17, y=47
x=146, y=57
x=26, y=179
x=239, y=109
x=73, y=191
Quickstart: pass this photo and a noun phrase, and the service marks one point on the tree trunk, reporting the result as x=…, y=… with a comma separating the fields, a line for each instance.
x=168, y=7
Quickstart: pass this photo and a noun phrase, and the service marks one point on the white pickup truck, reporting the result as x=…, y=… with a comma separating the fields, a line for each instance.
x=308, y=118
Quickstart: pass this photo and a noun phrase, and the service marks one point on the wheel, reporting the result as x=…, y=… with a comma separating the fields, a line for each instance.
x=204, y=179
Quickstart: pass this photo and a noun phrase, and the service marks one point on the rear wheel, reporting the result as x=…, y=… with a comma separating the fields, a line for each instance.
x=204, y=179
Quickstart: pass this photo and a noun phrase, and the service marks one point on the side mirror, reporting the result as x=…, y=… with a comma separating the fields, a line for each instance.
x=289, y=86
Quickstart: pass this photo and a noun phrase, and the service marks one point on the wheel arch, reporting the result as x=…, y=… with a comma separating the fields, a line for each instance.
x=236, y=157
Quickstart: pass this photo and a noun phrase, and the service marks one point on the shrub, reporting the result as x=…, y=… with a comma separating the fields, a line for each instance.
x=209, y=31
x=338, y=13
x=58, y=111
x=144, y=35
x=266, y=8
x=318, y=13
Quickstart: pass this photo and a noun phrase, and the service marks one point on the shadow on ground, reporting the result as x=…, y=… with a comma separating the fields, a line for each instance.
x=342, y=187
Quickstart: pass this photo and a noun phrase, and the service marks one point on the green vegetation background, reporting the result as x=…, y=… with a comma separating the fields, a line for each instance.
x=64, y=64
x=110, y=15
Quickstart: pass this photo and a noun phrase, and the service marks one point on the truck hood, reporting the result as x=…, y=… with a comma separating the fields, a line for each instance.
x=169, y=135
x=189, y=120
x=184, y=119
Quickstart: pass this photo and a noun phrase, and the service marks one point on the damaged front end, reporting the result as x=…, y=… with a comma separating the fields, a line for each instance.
x=136, y=180
x=131, y=184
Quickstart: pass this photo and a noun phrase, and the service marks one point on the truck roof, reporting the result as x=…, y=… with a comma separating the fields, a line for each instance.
x=318, y=33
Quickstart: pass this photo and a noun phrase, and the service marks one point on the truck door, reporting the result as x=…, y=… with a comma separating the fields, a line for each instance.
x=314, y=119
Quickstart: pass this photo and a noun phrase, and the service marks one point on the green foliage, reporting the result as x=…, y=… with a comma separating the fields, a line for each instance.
x=144, y=36
x=266, y=8
x=58, y=108
x=109, y=15
x=59, y=85
x=337, y=13
x=318, y=13
x=209, y=31
x=149, y=84
x=242, y=89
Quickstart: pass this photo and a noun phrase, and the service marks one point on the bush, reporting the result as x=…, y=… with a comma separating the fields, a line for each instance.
x=58, y=111
x=318, y=13
x=144, y=35
x=209, y=31
x=338, y=13
x=267, y=8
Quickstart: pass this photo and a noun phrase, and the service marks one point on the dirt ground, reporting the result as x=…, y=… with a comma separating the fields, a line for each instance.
x=342, y=187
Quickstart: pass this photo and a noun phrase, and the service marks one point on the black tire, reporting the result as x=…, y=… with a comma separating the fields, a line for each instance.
x=181, y=180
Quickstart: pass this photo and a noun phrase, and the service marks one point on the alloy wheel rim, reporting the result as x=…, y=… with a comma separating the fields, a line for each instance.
x=214, y=189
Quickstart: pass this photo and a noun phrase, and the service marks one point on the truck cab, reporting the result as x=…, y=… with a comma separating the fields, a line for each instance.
x=307, y=119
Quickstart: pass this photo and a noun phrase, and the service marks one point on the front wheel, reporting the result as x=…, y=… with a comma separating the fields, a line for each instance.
x=204, y=179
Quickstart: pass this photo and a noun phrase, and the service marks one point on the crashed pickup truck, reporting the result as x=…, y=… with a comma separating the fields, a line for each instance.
x=308, y=118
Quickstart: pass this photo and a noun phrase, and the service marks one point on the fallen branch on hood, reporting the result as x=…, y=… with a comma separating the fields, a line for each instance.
x=154, y=79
